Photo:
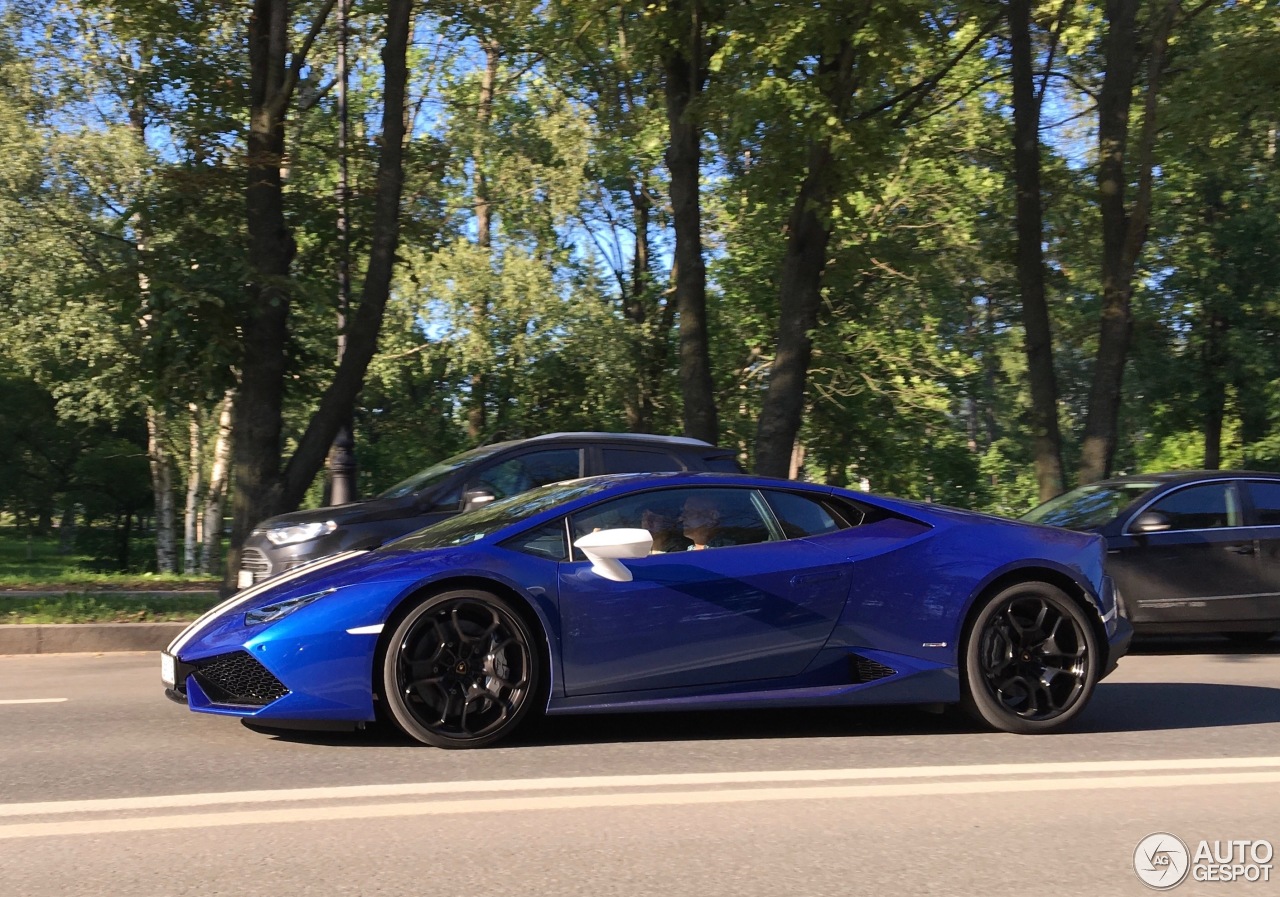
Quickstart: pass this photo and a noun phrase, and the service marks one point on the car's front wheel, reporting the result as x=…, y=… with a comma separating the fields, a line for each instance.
x=461, y=670
x=1030, y=661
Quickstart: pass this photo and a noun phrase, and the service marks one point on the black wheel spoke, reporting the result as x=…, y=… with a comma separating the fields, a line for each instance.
x=1033, y=656
x=464, y=670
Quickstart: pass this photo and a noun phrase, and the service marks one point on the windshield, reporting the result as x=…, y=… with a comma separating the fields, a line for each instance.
x=433, y=475
x=1088, y=506
x=475, y=525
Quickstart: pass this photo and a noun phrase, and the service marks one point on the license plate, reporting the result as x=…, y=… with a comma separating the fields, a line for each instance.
x=244, y=579
x=166, y=669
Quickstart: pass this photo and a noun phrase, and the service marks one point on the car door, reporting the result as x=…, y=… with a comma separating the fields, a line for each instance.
x=1199, y=569
x=752, y=606
x=1264, y=510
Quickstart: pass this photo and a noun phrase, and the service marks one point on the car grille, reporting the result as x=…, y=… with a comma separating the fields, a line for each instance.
x=238, y=678
x=255, y=562
x=864, y=669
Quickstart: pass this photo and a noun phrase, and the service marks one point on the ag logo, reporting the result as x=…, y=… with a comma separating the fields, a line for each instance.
x=1161, y=861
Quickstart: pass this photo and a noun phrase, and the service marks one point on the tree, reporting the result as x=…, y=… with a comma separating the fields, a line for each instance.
x=846, y=98
x=1030, y=261
x=1124, y=227
x=262, y=487
x=685, y=63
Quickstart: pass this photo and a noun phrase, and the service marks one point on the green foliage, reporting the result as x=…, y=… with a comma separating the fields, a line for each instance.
x=82, y=608
x=122, y=241
x=31, y=560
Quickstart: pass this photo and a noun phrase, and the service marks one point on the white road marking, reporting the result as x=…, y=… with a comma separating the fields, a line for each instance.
x=692, y=779
x=625, y=799
x=34, y=701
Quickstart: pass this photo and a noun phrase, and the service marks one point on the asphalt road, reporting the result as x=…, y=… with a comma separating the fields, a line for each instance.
x=107, y=788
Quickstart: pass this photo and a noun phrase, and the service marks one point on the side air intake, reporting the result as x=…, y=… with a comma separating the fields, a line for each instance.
x=864, y=669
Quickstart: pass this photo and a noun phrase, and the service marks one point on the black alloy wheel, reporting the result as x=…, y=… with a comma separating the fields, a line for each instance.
x=1031, y=660
x=461, y=670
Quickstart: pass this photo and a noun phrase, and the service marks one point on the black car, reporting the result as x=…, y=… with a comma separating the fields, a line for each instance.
x=1189, y=551
x=461, y=483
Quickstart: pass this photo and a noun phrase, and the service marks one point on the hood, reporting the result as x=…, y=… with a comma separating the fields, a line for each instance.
x=366, y=511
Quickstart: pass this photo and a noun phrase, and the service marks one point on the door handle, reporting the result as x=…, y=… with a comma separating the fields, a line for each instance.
x=1240, y=549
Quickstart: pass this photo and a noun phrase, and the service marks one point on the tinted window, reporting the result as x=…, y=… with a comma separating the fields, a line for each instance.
x=620, y=460
x=523, y=472
x=545, y=542
x=723, y=464
x=682, y=519
x=436, y=473
x=800, y=515
x=1208, y=506
x=1093, y=505
x=1266, y=503
x=478, y=524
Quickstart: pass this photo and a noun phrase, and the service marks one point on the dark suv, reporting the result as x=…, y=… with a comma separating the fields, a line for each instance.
x=461, y=483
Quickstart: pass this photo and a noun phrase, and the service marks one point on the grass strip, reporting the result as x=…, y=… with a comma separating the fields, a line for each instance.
x=82, y=608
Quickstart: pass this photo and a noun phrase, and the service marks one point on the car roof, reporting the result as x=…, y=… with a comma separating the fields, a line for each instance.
x=1170, y=477
x=600, y=436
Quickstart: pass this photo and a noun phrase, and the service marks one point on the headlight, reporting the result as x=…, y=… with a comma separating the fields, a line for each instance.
x=299, y=532
x=271, y=612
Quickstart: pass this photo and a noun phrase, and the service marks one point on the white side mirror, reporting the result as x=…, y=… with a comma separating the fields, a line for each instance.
x=603, y=549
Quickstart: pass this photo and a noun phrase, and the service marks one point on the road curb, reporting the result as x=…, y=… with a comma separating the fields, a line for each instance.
x=82, y=638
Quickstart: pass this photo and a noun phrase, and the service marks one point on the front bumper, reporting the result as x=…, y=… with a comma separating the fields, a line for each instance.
x=1118, y=644
x=260, y=560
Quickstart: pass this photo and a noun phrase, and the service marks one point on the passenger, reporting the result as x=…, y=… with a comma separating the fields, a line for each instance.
x=664, y=530
x=701, y=522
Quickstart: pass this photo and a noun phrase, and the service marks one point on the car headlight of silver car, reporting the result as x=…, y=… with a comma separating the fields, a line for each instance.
x=269, y=613
x=299, y=532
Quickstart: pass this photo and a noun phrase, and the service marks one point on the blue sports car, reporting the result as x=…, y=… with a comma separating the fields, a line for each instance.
x=667, y=592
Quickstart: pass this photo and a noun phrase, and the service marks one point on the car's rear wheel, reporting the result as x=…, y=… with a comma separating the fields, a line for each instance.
x=462, y=669
x=1031, y=660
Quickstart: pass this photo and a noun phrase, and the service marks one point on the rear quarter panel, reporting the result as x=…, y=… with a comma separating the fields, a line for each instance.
x=915, y=600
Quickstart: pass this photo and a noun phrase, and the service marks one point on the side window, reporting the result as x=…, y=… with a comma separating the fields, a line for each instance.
x=546, y=541
x=1266, y=502
x=523, y=472
x=625, y=460
x=723, y=464
x=682, y=519
x=1208, y=506
x=800, y=515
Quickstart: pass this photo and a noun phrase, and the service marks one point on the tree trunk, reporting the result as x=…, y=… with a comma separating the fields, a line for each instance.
x=477, y=416
x=268, y=290
x=1214, y=397
x=162, y=486
x=261, y=488
x=215, y=495
x=638, y=403
x=799, y=293
x=1124, y=230
x=195, y=478
x=342, y=456
x=685, y=76
x=1046, y=437
x=651, y=317
x=67, y=529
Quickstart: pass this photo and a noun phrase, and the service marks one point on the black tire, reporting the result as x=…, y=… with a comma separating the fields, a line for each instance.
x=462, y=669
x=1248, y=639
x=1030, y=661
